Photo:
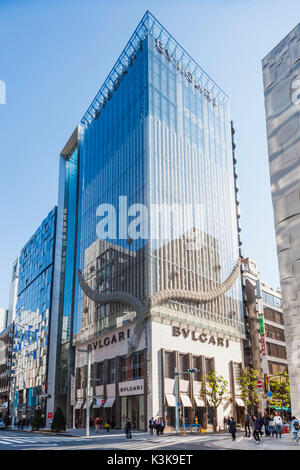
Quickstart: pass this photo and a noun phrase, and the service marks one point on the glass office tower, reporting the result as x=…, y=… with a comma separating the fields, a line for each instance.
x=154, y=205
x=281, y=74
x=32, y=322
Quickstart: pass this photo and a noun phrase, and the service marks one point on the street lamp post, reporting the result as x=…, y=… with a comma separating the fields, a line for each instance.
x=88, y=390
x=13, y=403
x=176, y=397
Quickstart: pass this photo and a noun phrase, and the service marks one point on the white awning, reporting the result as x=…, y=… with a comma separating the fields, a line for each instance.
x=239, y=401
x=109, y=402
x=78, y=404
x=171, y=399
x=199, y=401
x=185, y=399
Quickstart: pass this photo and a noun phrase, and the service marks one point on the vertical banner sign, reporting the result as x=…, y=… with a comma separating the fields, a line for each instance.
x=261, y=325
x=72, y=390
x=262, y=334
x=263, y=345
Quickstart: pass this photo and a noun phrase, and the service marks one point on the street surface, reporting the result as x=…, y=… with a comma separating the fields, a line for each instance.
x=116, y=440
x=19, y=440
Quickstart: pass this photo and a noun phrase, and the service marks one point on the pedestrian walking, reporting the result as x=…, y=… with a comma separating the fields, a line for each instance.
x=128, y=429
x=225, y=423
x=97, y=424
x=151, y=425
x=91, y=424
x=278, y=424
x=162, y=426
x=247, y=423
x=262, y=423
x=295, y=428
x=232, y=429
x=266, y=420
x=158, y=426
x=271, y=426
x=256, y=429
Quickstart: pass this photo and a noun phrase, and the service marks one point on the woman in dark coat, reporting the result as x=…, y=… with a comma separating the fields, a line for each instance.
x=128, y=428
x=232, y=428
x=256, y=429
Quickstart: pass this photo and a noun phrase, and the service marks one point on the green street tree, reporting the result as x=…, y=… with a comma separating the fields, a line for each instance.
x=38, y=420
x=280, y=388
x=214, y=391
x=59, y=422
x=247, y=382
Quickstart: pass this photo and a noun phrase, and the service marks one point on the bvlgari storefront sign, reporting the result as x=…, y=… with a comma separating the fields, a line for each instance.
x=133, y=387
x=112, y=339
x=202, y=337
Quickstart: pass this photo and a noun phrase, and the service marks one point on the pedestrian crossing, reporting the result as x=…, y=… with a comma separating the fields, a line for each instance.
x=139, y=443
x=160, y=442
x=105, y=442
x=15, y=440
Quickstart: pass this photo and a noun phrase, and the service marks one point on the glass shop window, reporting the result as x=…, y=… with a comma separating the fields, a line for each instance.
x=169, y=365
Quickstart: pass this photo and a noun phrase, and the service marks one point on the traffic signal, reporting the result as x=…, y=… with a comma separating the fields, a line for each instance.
x=192, y=371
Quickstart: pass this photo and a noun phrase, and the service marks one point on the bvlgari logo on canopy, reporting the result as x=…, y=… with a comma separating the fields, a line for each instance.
x=202, y=337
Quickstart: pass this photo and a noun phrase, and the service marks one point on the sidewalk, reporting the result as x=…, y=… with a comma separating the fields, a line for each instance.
x=71, y=432
x=267, y=443
x=81, y=432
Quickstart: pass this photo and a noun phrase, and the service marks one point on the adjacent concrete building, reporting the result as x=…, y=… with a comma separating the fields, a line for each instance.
x=3, y=318
x=266, y=335
x=6, y=352
x=281, y=75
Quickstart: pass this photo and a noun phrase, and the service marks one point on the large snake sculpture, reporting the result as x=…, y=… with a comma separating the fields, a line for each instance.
x=157, y=298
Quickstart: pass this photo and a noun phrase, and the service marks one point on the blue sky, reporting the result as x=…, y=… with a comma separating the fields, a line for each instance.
x=55, y=56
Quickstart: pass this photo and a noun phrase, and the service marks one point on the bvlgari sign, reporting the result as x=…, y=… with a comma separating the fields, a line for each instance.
x=114, y=338
x=133, y=387
x=202, y=337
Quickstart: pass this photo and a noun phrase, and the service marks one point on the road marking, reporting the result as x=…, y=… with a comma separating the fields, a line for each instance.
x=141, y=444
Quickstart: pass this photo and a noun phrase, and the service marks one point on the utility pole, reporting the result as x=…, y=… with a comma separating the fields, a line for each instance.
x=13, y=379
x=88, y=390
x=176, y=397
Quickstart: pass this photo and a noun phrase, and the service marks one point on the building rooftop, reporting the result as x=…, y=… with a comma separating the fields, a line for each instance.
x=150, y=25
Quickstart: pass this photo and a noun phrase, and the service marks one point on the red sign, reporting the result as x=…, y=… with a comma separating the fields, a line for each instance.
x=259, y=384
x=50, y=415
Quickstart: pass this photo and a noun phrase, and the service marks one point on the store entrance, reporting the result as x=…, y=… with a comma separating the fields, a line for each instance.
x=132, y=407
x=133, y=411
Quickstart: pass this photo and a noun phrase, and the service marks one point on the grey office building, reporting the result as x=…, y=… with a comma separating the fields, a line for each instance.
x=281, y=74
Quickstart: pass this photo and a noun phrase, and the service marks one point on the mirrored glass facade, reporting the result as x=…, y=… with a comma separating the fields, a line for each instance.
x=156, y=206
x=33, y=313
